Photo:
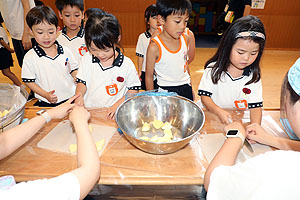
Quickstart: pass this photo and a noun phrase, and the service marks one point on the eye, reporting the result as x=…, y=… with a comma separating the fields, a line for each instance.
x=77, y=15
x=254, y=53
x=67, y=15
x=39, y=32
x=240, y=52
x=177, y=22
x=51, y=32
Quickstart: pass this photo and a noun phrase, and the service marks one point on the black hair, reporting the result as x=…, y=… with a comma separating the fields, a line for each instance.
x=60, y=4
x=222, y=56
x=103, y=31
x=168, y=7
x=94, y=11
x=150, y=11
x=38, y=3
x=40, y=14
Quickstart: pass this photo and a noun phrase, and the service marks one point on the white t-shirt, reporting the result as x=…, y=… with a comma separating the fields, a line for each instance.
x=272, y=175
x=3, y=36
x=51, y=73
x=229, y=92
x=171, y=67
x=13, y=15
x=106, y=85
x=64, y=187
x=75, y=44
x=142, y=46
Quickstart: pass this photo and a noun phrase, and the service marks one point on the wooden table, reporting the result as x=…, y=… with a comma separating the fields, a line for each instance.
x=121, y=163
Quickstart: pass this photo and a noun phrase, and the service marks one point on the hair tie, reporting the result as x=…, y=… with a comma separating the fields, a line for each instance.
x=294, y=76
x=250, y=34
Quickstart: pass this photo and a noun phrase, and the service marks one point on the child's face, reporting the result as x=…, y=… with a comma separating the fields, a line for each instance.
x=293, y=116
x=104, y=55
x=44, y=34
x=175, y=24
x=153, y=23
x=71, y=16
x=243, y=53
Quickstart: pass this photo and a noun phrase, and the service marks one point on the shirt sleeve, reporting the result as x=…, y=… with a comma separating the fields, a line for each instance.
x=139, y=47
x=72, y=61
x=255, y=98
x=206, y=85
x=65, y=186
x=28, y=71
x=82, y=76
x=133, y=81
x=247, y=2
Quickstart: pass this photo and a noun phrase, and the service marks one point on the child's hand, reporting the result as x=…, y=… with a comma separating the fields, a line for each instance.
x=255, y=133
x=79, y=101
x=51, y=97
x=224, y=116
x=79, y=114
x=62, y=110
x=11, y=50
x=111, y=111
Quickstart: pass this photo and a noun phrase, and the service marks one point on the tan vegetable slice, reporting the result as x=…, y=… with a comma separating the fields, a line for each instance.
x=100, y=144
x=146, y=127
x=157, y=124
x=73, y=148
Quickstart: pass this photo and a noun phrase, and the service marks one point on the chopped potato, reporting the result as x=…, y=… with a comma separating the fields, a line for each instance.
x=167, y=138
x=146, y=127
x=145, y=138
x=154, y=138
x=100, y=144
x=168, y=132
x=5, y=112
x=157, y=124
x=73, y=148
x=167, y=125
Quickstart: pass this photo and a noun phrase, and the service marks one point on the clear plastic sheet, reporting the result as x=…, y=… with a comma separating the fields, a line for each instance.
x=13, y=99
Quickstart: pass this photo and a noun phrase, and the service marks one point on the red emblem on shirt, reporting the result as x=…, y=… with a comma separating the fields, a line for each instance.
x=82, y=50
x=241, y=104
x=246, y=90
x=120, y=79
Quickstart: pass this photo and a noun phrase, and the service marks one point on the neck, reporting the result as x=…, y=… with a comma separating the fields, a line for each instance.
x=234, y=72
x=50, y=51
x=72, y=32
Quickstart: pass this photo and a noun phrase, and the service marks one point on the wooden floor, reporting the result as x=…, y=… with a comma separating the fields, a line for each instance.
x=274, y=64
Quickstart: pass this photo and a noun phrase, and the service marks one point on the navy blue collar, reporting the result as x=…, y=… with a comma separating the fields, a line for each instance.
x=79, y=34
x=40, y=52
x=117, y=62
x=147, y=34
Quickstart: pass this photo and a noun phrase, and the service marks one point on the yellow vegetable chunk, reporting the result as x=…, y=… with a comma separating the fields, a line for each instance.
x=73, y=148
x=157, y=124
x=166, y=125
x=0, y=114
x=166, y=138
x=146, y=127
x=168, y=132
x=5, y=112
x=91, y=128
x=154, y=138
x=100, y=144
x=145, y=138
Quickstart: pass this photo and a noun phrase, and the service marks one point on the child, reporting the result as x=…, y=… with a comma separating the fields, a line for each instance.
x=105, y=74
x=6, y=58
x=167, y=52
x=72, y=35
x=231, y=77
x=143, y=42
x=258, y=177
x=49, y=69
x=75, y=184
x=92, y=11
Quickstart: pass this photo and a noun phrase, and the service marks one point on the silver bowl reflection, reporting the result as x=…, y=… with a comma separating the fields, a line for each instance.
x=184, y=115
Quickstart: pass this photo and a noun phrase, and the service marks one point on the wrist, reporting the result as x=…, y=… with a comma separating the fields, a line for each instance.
x=46, y=116
x=236, y=134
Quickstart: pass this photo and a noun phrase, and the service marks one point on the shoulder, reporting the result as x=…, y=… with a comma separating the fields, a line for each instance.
x=30, y=55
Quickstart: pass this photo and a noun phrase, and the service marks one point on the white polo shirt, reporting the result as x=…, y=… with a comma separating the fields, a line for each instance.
x=229, y=92
x=3, y=36
x=142, y=46
x=76, y=44
x=273, y=175
x=171, y=67
x=13, y=15
x=51, y=73
x=106, y=85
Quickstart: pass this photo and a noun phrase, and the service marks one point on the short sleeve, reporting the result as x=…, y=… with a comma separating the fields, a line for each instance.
x=82, y=76
x=133, y=81
x=247, y=2
x=206, y=85
x=255, y=98
x=72, y=61
x=28, y=71
x=140, y=47
x=66, y=186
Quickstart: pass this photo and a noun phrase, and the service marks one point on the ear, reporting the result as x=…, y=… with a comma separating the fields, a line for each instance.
x=60, y=14
x=160, y=19
x=119, y=38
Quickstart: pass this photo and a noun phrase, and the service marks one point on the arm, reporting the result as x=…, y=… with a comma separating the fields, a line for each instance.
x=255, y=115
x=247, y=10
x=191, y=44
x=227, y=154
x=50, y=96
x=26, y=37
x=212, y=107
x=80, y=90
x=13, y=138
x=6, y=46
x=140, y=64
x=88, y=170
x=152, y=56
x=256, y=133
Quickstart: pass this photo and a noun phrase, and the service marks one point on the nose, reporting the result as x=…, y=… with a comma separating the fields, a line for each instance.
x=72, y=18
x=247, y=56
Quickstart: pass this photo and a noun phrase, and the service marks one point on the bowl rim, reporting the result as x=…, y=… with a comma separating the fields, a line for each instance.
x=182, y=139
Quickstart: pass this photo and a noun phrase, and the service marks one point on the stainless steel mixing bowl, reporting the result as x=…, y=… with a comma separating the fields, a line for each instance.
x=184, y=115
